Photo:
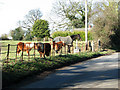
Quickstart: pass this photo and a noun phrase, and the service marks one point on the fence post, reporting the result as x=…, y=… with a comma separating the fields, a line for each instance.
x=79, y=48
x=51, y=47
x=95, y=46
x=34, y=50
x=43, y=39
x=61, y=50
x=99, y=45
x=92, y=46
x=72, y=49
x=16, y=54
x=86, y=46
x=64, y=48
x=8, y=53
x=22, y=52
x=44, y=50
x=67, y=49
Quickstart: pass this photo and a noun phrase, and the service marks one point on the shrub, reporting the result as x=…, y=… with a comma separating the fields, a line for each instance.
x=106, y=27
x=4, y=37
x=68, y=33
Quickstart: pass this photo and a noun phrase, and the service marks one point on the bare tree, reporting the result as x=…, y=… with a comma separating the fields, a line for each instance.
x=106, y=25
x=68, y=12
x=30, y=18
x=71, y=14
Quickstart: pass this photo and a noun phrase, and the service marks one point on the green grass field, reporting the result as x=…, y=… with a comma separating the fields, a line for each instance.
x=12, y=50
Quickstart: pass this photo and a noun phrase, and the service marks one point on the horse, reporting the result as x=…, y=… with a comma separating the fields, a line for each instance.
x=67, y=40
x=43, y=49
x=57, y=46
x=24, y=47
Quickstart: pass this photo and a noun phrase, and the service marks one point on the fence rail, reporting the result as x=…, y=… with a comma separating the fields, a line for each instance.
x=9, y=56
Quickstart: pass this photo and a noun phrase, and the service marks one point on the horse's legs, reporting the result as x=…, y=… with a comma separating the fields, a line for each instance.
x=18, y=51
x=61, y=50
x=40, y=54
x=28, y=55
x=68, y=48
x=43, y=55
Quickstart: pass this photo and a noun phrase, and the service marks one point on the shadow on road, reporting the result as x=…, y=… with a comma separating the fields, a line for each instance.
x=86, y=74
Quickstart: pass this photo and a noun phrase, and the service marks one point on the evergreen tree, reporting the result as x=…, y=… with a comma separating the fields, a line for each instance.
x=40, y=29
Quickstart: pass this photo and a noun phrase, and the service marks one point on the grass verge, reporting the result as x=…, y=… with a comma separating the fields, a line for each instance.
x=19, y=71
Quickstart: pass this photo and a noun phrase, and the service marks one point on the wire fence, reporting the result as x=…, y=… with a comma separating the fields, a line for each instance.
x=9, y=55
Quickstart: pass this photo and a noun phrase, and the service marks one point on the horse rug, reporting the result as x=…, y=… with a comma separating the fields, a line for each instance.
x=67, y=40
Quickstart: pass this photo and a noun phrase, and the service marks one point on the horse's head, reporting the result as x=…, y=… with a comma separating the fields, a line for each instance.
x=36, y=45
x=74, y=37
x=39, y=46
x=78, y=37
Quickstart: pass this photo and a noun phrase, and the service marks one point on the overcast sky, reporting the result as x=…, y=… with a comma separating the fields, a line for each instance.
x=11, y=11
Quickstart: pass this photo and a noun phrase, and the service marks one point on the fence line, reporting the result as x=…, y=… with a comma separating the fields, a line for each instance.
x=78, y=46
x=8, y=53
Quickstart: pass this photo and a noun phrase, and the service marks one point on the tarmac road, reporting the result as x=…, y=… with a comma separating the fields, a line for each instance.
x=101, y=72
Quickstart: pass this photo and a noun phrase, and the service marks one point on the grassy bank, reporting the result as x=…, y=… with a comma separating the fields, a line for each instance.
x=17, y=72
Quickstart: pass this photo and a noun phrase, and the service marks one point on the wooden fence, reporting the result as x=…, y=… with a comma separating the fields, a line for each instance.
x=77, y=47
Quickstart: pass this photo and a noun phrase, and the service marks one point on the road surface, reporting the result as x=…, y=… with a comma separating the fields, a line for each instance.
x=101, y=72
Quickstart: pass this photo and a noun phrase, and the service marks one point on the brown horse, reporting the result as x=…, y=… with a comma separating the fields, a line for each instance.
x=57, y=46
x=24, y=47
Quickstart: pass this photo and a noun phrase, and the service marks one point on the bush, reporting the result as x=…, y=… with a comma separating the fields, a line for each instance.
x=106, y=27
x=115, y=40
x=17, y=34
x=68, y=33
x=4, y=37
x=61, y=33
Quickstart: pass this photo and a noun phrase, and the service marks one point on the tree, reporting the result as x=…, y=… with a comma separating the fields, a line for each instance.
x=106, y=25
x=71, y=14
x=4, y=37
x=28, y=36
x=30, y=18
x=17, y=34
x=40, y=29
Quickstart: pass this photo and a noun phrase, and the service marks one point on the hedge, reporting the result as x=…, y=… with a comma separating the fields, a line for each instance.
x=68, y=33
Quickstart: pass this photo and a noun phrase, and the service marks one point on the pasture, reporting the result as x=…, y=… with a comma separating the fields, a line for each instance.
x=12, y=51
x=8, y=53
